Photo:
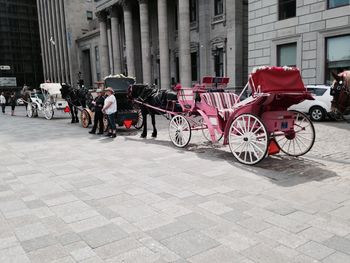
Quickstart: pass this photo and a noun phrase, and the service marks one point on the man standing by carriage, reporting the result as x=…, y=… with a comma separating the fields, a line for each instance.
x=110, y=108
x=98, y=118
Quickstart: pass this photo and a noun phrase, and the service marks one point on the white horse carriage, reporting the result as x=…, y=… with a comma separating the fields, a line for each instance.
x=47, y=100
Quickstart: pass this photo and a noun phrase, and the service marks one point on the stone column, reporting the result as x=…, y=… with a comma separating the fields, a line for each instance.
x=145, y=42
x=163, y=44
x=129, y=39
x=115, y=40
x=42, y=37
x=67, y=78
x=184, y=43
x=59, y=41
x=103, y=48
x=56, y=46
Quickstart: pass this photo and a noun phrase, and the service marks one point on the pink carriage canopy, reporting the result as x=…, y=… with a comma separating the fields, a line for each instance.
x=276, y=79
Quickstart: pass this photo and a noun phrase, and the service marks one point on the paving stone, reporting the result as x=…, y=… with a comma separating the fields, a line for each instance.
x=32, y=231
x=219, y=254
x=138, y=255
x=13, y=254
x=263, y=254
x=168, y=230
x=196, y=221
x=315, y=250
x=238, y=241
x=338, y=243
x=254, y=224
x=215, y=207
x=315, y=234
x=103, y=235
x=337, y=257
x=284, y=237
x=47, y=254
x=156, y=247
x=68, y=238
x=116, y=248
x=37, y=243
x=189, y=243
x=235, y=216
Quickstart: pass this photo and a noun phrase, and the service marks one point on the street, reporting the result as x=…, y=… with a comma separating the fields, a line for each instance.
x=68, y=196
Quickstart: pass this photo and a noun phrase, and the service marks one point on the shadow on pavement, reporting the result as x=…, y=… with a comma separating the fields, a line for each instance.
x=281, y=169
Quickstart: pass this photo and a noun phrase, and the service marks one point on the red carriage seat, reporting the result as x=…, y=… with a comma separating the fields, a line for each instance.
x=222, y=101
x=283, y=84
x=276, y=79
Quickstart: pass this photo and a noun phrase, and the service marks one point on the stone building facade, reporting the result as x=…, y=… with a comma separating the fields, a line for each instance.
x=61, y=22
x=167, y=41
x=314, y=35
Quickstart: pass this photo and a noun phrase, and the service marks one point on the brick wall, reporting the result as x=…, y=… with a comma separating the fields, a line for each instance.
x=309, y=29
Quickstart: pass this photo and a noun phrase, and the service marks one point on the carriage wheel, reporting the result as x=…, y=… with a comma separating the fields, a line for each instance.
x=206, y=133
x=48, y=111
x=248, y=139
x=301, y=139
x=30, y=110
x=139, y=123
x=85, y=119
x=179, y=131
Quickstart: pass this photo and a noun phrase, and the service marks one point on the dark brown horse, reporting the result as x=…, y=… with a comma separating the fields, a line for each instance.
x=341, y=94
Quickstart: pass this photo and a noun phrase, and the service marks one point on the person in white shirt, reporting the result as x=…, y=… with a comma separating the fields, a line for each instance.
x=2, y=102
x=110, y=108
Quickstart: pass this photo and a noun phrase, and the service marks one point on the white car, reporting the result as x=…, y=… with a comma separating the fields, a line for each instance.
x=318, y=108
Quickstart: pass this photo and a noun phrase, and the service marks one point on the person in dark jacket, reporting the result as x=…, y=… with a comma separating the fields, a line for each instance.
x=98, y=119
x=12, y=102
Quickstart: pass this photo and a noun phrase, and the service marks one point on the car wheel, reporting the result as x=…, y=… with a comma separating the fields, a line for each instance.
x=317, y=113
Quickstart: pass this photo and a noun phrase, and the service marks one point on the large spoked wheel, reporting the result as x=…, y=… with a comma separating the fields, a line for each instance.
x=301, y=139
x=85, y=118
x=48, y=111
x=30, y=110
x=248, y=139
x=139, y=123
x=206, y=133
x=179, y=131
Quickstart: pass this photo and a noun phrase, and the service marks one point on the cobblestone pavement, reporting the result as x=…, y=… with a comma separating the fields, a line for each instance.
x=66, y=196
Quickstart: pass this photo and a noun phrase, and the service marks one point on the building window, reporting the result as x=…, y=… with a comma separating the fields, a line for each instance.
x=287, y=55
x=337, y=3
x=193, y=10
x=219, y=62
x=286, y=9
x=218, y=7
x=89, y=15
x=337, y=55
x=194, y=66
x=97, y=60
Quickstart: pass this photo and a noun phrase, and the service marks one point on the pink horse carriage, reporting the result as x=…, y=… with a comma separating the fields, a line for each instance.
x=253, y=128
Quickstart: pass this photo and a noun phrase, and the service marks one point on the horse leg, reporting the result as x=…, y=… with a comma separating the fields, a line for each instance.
x=72, y=112
x=154, y=133
x=76, y=115
x=144, y=116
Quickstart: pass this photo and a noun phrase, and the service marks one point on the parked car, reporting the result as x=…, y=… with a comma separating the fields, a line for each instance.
x=319, y=108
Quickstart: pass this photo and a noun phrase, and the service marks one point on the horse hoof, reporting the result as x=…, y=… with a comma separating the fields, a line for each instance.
x=154, y=135
x=143, y=136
